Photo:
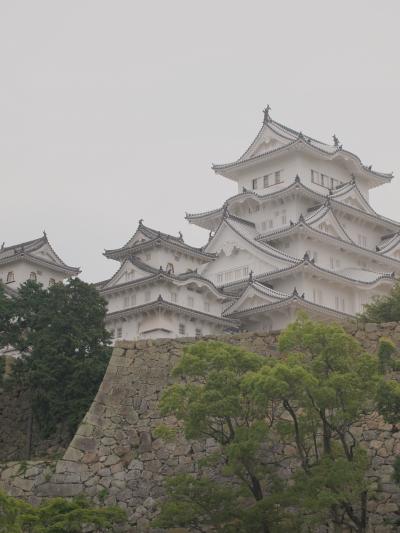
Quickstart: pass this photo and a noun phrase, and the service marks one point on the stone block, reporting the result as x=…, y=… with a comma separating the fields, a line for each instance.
x=85, y=444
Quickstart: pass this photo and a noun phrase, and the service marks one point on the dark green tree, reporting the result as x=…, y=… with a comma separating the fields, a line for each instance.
x=56, y=515
x=306, y=402
x=384, y=308
x=65, y=349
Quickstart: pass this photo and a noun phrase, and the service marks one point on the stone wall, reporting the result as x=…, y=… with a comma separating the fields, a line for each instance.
x=115, y=456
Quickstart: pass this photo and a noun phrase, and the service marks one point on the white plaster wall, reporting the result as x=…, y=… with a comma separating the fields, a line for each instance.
x=161, y=256
x=22, y=270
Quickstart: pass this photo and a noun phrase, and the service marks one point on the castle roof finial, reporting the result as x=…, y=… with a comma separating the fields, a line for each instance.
x=141, y=222
x=266, y=111
x=44, y=234
x=335, y=141
x=250, y=276
x=295, y=293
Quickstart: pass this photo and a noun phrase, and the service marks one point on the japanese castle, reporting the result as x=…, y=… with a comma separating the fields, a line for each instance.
x=300, y=234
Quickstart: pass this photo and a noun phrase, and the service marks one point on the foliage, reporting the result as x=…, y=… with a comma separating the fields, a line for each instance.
x=386, y=351
x=308, y=401
x=384, y=308
x=56, y=515
x=64, y=345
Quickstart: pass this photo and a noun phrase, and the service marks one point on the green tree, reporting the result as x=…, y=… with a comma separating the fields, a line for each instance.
x=56, y=515
x=307, y=401
x=214, y=403
x=65, y=349
x=384, y=308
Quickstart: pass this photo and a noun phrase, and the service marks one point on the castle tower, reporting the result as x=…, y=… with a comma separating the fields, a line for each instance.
x=300, y=233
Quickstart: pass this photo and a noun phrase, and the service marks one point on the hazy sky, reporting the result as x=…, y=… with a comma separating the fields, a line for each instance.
x=113, y=110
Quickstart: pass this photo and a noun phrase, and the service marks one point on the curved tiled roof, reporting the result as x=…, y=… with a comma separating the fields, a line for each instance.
x=293, y=298
x=343, y=275
x=235, y=225
x=25, y=249
x=298, y=185
x=292, y=137
x=160, y=303
x=156, y=238
x=302, y=224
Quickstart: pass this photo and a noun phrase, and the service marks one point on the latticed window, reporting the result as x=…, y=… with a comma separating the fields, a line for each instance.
x=10, y=277
x=182, y=329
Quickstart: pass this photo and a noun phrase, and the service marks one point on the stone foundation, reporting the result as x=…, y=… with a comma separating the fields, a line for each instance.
x=115, y=456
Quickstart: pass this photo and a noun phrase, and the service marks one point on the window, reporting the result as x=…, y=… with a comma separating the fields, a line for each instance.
x=228, y=276
x=198, y=332
x=270, y=223
x=133, y=299
x=174, y=297
x=245, y=271
x=206, y=306
x=263, y=225
x=182, y=329
x=126, y=301
x=119, y=333
x=238, y=273
x=343, y=304
x=266, y=179
x=255, y=183
x=278, y=178
x=147, y=296
x=219, y=278
x=324, y=180
x=52, y=282
x=337, y=303
x=10, y=277
x=112, y=333
x=170, y=268
x=129, y=275
x=362, y=240
x=190, y=301
x=315, y=257
x=33, y=276
x=283, y=219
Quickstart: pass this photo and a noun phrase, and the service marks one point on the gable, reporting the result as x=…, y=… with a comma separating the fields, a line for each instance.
x=137, y=238
x=328, y=223
x=45, y=253
x=126, y=273
x=353, y=198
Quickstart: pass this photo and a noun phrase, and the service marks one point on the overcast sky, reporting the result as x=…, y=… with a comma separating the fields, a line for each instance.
x=113, y=110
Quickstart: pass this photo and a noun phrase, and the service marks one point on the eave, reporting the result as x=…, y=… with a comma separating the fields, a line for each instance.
x=71, y=271
x=164, y=277
x=121, y=253
x=297, y=302
x=353, y=247
x=295, y=186
x=161, y=304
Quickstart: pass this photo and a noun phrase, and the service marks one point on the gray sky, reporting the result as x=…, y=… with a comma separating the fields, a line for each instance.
x=114, y=110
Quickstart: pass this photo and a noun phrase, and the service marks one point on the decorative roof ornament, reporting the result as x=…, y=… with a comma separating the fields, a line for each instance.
x=306, y=256
x=301, y=217
x=141, y=222
x=295, y=293
x=266, y=111
x=210, y=236
x=160, y=298
x=250, y=276
x=369, y=167
x=353, y=178
x=3, y=245
x=327, y=202
x=297, y=179
x=44, y=234
x=301, y=136
x=180, y=235
x=335, y=141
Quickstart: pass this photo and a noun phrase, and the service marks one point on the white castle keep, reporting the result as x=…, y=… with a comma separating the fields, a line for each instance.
x=299, y=234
